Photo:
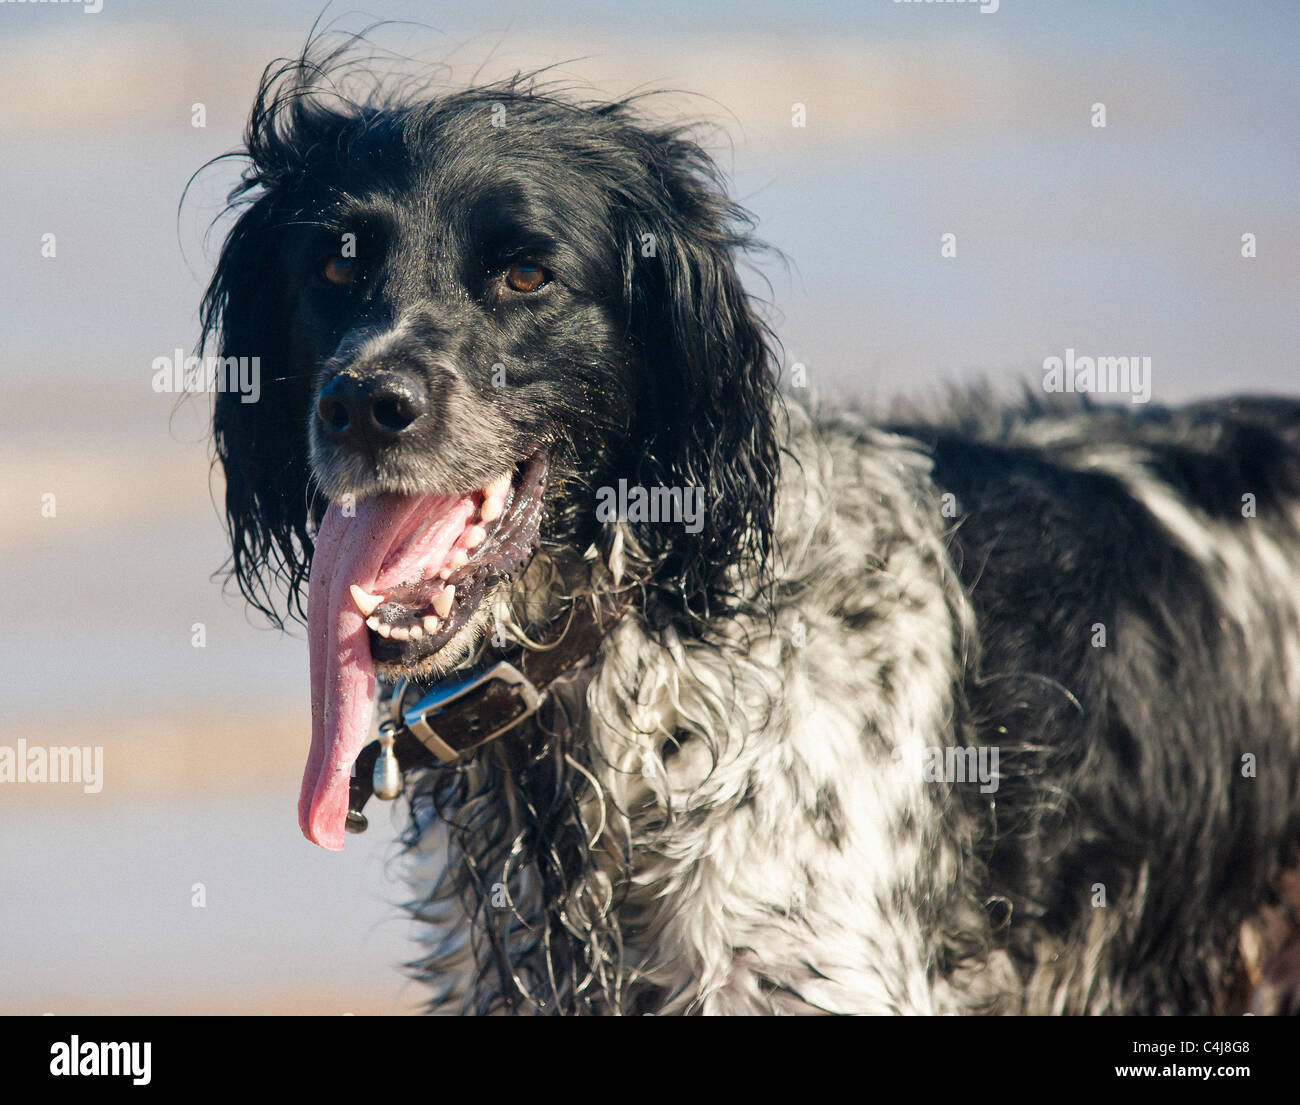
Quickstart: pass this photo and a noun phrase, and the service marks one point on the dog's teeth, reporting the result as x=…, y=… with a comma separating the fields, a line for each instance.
x=430, y=624
x=476, y=536
x=459, y=559
x=366, y=602
x=417, y=632
x=383, y=629
x=492, y=507
x=445, y=574
x=442, y=603
x=373, y=623
x=497, y=488
x=400, y=633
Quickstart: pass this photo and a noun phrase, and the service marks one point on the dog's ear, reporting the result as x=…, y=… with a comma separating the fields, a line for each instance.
x=710, y=419
x=261, y=445
x=298, y=125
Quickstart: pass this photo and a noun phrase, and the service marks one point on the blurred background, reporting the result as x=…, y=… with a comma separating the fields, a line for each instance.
x=922, y=120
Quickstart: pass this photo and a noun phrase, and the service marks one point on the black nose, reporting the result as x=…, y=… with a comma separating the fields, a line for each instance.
x=375, y=409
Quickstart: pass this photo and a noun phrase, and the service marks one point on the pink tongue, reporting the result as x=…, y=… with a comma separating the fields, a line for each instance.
x=392, y=539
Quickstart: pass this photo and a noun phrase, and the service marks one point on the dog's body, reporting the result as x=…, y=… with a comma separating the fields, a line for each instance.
x=961, y=717
x=1123, y=643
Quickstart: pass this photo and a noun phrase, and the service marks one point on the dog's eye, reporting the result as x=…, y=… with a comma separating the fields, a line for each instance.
x=526, y=278
x=340, y=270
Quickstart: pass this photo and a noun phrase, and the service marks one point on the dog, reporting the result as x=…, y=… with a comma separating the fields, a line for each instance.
x=988, y=710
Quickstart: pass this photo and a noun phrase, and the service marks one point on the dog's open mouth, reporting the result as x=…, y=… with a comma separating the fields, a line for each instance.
x=393, y=579
x=433, y=580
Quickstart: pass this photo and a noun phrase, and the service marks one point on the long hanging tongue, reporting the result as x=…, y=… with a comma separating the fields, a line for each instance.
x=391, y=540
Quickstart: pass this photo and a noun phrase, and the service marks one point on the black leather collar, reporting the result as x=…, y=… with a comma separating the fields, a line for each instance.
x=467, y=709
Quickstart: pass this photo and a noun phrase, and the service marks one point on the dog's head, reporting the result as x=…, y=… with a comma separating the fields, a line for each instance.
x=483, y=322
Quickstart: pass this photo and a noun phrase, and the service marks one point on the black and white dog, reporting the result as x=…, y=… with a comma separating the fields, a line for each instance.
x=993, y=712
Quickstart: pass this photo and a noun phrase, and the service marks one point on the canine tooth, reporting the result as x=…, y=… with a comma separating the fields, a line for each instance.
x=492, y=507
x=442, y=604
x=430, y=623
x=459, y=559
x=366, y=602
x=373, y=623
x=476, y=536
x=498, y=487
x=383, y=629
x=400, y=633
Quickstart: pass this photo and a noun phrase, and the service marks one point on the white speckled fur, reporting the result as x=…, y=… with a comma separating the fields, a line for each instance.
x=739, y=900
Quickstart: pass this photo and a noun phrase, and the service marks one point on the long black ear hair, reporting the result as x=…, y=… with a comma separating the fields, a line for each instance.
x=262, y=446
x=710, y=422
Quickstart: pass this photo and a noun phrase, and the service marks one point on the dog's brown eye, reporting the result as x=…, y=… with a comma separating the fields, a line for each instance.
x=526, y=278
x=340, y=270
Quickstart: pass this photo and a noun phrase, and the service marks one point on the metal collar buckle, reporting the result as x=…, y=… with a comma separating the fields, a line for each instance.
x=420, y=719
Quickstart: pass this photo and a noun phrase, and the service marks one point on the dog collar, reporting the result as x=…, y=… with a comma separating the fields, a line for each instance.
x=468, y=709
